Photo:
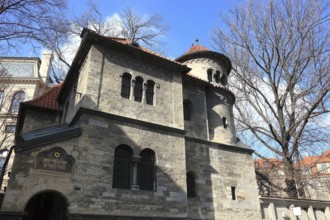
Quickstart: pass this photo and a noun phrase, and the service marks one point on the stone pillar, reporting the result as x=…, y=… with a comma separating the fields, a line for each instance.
x=310, y=212
x=131, y=95
x=135, y=161
x=144, y=93
x=327, y=213
x=271, y=211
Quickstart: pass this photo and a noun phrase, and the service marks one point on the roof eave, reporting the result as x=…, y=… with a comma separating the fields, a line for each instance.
x=21, y=114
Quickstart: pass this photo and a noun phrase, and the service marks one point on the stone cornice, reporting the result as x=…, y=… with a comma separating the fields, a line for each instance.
x=126, y=120
x=233, y=148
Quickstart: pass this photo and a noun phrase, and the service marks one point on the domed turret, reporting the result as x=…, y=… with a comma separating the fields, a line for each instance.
x=207, y=65
x=214, y=68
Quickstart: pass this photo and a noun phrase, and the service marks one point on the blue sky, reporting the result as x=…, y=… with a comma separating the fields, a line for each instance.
x=187, y=19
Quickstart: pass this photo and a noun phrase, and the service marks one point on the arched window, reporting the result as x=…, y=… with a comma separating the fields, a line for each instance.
x=217, y=76
x=138, y=89
x=146, y=170
x=17, y=99
x=122, y=167
x=209, y=75
x=187, y=110
x=126, y=85
x=191, y=185
x=150, y=92
x=223, y=79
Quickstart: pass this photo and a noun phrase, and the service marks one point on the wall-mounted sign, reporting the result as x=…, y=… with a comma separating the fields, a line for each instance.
x=55, y=159
x=296, y=211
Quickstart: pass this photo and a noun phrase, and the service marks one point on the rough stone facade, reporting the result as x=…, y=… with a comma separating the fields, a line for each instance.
x=79, y=167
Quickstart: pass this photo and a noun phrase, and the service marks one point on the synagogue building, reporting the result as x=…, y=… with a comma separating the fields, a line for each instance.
x=131, y=134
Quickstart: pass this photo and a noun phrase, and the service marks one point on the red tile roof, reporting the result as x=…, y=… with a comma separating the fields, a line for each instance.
x=129, y=42
x=196, y=48
x=48, y=99
x=307, y=161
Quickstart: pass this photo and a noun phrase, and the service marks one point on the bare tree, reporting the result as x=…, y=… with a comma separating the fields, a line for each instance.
x=30, y=21
x=280, y=53
x=140, y=29
x=146, y=30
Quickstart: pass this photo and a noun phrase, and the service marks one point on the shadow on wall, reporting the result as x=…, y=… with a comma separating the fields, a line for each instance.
x=198, y=161
x=93, y=178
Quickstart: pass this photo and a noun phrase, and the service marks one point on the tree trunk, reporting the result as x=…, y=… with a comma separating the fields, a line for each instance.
x=290, y=182
x=298, y=175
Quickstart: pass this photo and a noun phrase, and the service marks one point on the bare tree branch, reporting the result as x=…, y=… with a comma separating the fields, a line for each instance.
x=280, y=53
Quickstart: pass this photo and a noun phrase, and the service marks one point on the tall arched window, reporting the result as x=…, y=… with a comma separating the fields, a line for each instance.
x=146, y=170
x=209, y=75
x=126, y=85
x=122, y=167
x=223, y=79
x=187, y=110
x=17, y=99
x=191, y=185
x=138, y=89
x=150, y=92
x=217, y=76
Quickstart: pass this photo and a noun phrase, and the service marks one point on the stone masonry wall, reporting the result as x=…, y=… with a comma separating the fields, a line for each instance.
x=103, y=91
x=89, y=188
x=38, y=119
x=218, y=169
x=197, y=127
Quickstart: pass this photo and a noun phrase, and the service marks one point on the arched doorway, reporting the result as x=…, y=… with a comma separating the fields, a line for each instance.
x=48, y=205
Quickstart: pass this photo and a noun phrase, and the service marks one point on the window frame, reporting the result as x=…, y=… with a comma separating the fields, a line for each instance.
x=138, y=89
x=146, y=172
x=191, y=184
x=120, y=179
x=18, y=97
x=126, y=83
x=2, y=97
x=150, y=92
x=187, y=110
x=12, y=130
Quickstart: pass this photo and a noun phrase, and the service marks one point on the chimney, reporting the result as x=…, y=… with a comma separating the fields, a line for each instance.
x=46, y=62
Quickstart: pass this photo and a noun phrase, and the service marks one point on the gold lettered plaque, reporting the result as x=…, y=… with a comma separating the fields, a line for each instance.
x=55, y=159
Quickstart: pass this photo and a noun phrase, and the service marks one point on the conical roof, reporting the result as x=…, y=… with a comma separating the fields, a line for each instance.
x=196, y=48
x=199, y=51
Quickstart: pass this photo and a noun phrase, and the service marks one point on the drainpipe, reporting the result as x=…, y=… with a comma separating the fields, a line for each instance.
x=3, y=171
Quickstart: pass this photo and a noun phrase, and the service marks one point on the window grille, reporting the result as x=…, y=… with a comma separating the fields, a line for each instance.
x=150, y=92
x=146, y=170
x=122, y=168
x=138, y=89
x=126, y=85
x=191, y=185
x=17, y=99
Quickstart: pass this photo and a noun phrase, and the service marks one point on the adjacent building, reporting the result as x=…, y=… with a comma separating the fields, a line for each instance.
x=131, y=134
x=21, y=79
x=315, y=176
